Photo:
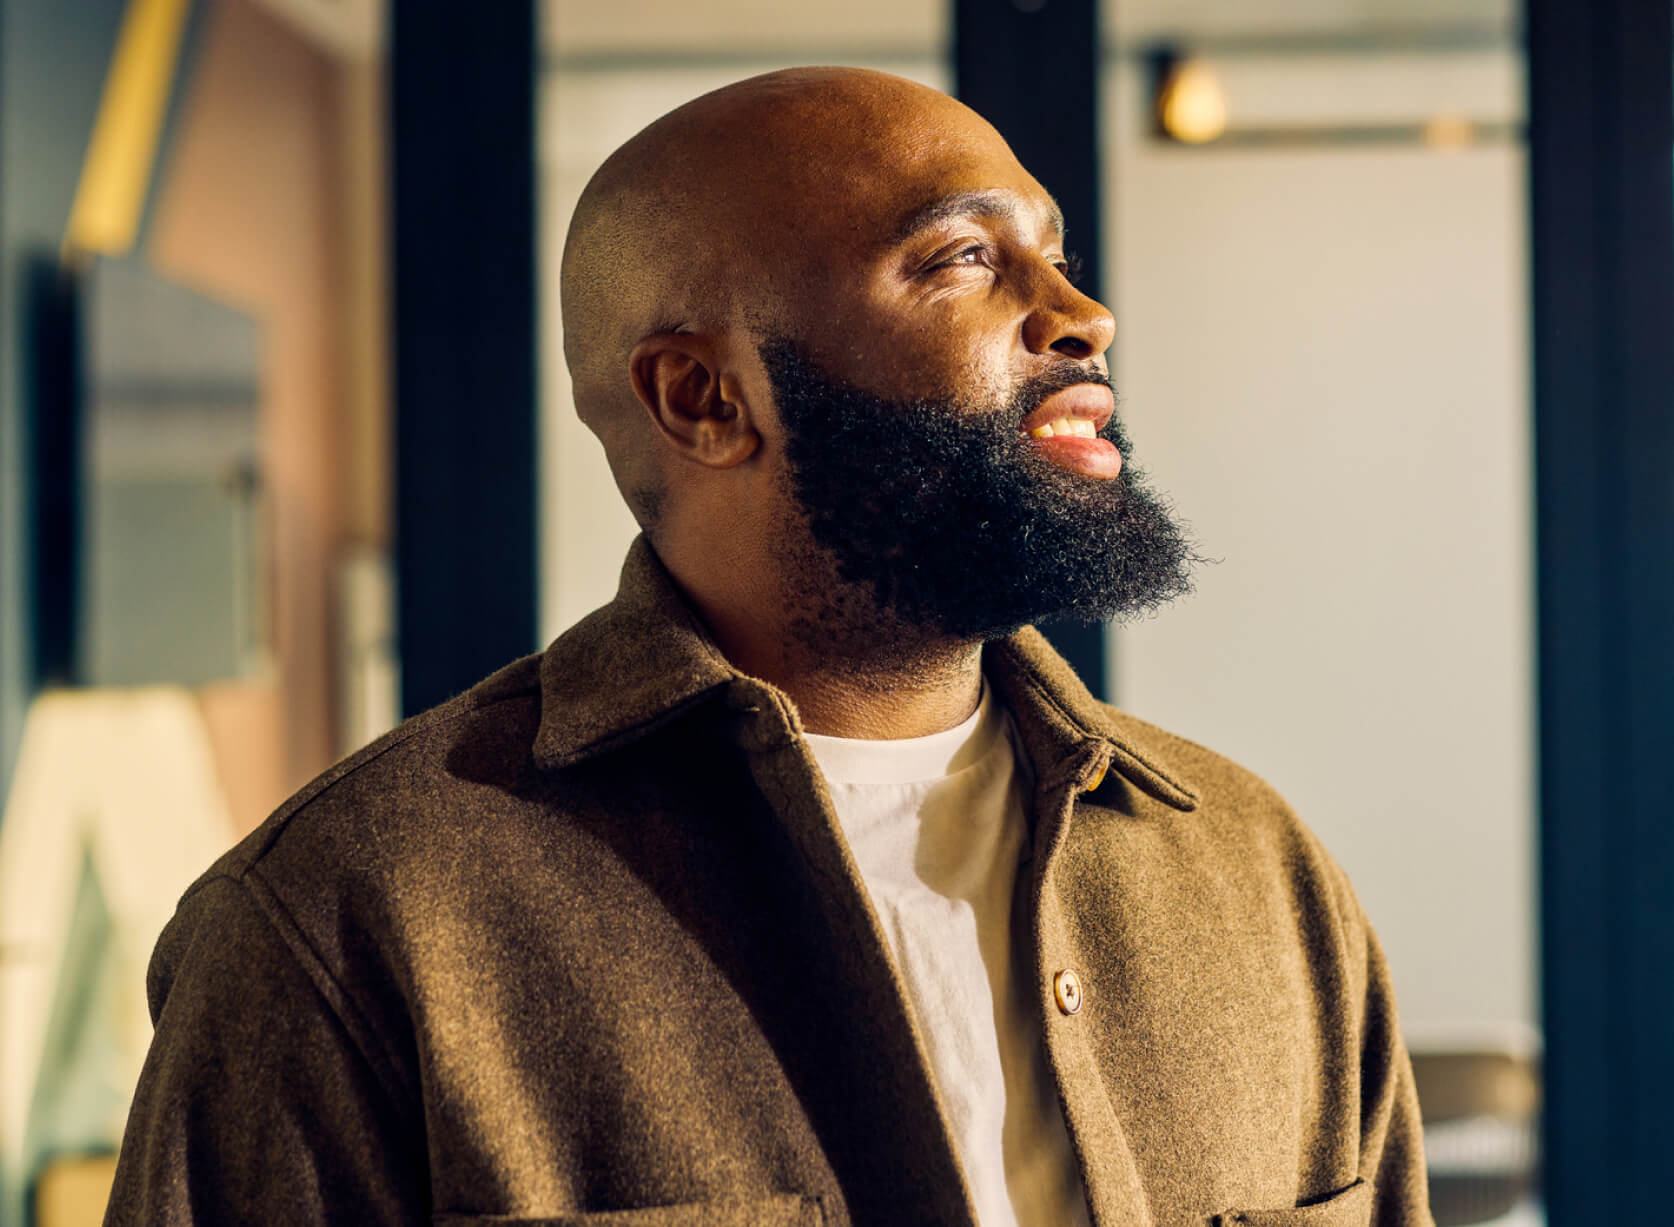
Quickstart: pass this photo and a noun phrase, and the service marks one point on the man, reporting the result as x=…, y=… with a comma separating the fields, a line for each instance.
x=802, y=883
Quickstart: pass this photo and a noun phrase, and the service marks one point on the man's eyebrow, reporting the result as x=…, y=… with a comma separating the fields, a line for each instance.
x=991, y=203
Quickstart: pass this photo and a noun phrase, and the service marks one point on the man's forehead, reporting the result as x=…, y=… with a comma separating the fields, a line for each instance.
x=895, y=153
x=944, y=164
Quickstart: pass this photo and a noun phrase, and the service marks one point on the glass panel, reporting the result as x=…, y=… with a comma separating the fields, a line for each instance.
x=170, y=554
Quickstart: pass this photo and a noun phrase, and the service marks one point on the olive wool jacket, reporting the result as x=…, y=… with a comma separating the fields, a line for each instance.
x=585, y=946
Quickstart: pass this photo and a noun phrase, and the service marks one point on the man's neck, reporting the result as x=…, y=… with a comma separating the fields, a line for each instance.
x=879, y=684
x=882, y=701
x=851, y=670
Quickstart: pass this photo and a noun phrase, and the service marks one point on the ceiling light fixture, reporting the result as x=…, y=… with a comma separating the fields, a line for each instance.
x=1191, y=105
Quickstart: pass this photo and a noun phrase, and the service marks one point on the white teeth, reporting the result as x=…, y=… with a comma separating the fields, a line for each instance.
x=1079, y=428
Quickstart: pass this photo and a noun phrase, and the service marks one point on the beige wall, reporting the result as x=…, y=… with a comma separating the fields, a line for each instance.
x=798, y=32
x=1143, y=19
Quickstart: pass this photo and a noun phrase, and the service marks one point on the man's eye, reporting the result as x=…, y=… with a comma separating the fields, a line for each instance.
x=1070, y=267
x=974, y=256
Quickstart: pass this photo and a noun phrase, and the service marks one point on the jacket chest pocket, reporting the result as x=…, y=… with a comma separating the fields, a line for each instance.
x=774, y=1210
x=1350, y=1208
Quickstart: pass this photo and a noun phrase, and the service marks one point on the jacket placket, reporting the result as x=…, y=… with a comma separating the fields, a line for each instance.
x=923, y=1181
x=1109, y=1173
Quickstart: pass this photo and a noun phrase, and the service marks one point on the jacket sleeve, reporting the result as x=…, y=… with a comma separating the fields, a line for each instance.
x=255, y=1104
x=1391, y=1139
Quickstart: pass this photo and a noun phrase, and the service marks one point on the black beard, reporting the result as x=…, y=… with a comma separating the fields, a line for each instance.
x=953, y=523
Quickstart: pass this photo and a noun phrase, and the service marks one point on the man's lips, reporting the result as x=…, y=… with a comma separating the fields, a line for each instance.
x=1064, y=430
x=1089, y=402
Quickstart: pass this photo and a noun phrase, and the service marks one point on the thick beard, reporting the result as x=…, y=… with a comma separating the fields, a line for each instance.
x=951, y=524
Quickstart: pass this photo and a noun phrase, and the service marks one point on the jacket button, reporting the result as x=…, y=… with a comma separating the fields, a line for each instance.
x=1066, y=987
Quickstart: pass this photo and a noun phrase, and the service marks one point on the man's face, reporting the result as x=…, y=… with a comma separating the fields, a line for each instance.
x=939, y=268
x=941, y=355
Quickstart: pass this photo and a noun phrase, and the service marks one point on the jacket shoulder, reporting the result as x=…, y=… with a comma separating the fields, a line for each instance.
x=408, y=774
x=1216, y=779
x=325, y=870
x=1237, y=810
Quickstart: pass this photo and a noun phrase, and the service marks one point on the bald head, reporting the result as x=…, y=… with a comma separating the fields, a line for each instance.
x=718, y=218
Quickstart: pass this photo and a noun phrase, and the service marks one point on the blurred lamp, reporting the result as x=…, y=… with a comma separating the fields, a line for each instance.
x=1449, y=132
x=1191, y=106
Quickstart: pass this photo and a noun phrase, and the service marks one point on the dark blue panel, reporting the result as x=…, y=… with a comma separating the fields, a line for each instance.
x=463, y=80
x=1601, y=112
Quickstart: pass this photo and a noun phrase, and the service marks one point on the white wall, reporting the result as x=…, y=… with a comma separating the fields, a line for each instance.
x=1133, y=20
x=794, y=33
x=1322, y=354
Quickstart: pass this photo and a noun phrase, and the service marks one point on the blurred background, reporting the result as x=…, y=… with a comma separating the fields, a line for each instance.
x=287, y=451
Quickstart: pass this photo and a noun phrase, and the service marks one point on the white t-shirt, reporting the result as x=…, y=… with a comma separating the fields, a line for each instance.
x=939, y=826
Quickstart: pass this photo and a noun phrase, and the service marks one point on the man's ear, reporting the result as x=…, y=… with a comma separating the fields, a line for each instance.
x=678, y=377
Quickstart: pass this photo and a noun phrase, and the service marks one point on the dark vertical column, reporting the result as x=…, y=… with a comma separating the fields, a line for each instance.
x=463, y=144
x=15, y=491
x=1031, y=68
x=56, y=487
x=1601, y=110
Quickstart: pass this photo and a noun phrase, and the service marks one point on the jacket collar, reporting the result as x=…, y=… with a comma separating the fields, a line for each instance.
x=645, y=658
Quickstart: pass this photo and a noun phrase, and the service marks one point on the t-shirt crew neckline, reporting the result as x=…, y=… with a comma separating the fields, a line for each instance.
x=907, y=760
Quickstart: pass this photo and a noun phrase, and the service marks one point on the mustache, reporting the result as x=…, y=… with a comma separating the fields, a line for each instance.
x=998, y=427
x=1031, y=393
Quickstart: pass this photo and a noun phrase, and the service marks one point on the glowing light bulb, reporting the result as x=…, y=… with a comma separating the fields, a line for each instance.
x=1192, y=107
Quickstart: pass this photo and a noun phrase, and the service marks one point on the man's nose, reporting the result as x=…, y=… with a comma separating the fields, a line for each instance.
x=1068, y=322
